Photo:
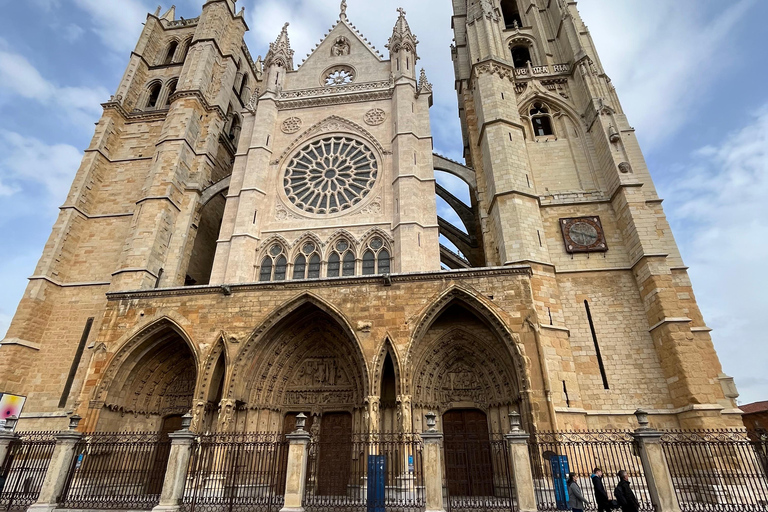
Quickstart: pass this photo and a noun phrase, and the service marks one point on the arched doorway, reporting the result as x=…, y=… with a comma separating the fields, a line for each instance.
x=150, y=383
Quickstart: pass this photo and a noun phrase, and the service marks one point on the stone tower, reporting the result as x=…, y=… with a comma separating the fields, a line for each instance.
x=251, y=239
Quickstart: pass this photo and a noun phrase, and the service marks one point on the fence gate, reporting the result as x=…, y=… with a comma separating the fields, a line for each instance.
x=123, y=471
x=23, y=471
x=379, y=472
x=555, y=454
x=237, y=472
x=719, y=470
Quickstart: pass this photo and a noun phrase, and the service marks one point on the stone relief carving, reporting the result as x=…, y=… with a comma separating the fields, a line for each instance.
x=374, y=207
x=625, y=168
x=291, y=125
x=319, y=372
x=282, y=213
x=341, y=47
x=375, y=117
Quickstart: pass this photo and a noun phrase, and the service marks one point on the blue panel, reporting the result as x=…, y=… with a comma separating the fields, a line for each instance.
x=560, y=472
x=377, y=471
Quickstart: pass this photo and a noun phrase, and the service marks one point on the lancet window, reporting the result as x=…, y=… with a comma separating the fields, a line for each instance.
x=376, y=258
x=274, y=265
x=542, y=120
x=342, y=259
x=511, y=14
x=154, y=94
x=521, y=56
x=171, y=52
x=307, y=262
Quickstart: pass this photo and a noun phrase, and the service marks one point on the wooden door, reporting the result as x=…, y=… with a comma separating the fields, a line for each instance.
x=468, y=465
x=334, y=454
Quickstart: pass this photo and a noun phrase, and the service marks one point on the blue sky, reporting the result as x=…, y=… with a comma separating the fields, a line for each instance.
x=691, y=74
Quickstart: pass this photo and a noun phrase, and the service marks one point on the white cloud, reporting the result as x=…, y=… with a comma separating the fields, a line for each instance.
x=82, y=105
x=27, y=162
x=117, y=27
x=719, y=211
x=660, y=54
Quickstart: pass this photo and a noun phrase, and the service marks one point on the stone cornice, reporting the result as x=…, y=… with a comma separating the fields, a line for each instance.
x=231, y=289
x=335, y=99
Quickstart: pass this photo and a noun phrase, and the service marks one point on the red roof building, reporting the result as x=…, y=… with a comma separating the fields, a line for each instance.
x=755, y=415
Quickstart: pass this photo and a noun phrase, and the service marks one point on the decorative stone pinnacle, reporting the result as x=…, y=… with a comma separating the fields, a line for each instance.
x=186, y=421
x=301, y=421
x=431, y=421
x=514, y=422
x=424, y=85
x=280, y=52
x=402, y=38
x=642, y=419
x=74, y=421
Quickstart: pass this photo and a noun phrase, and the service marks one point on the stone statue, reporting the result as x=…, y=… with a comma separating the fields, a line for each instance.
x=343, y=8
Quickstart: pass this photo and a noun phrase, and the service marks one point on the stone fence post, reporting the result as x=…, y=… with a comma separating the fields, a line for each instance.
x=58, y=469
x=6, y=438
x=520, y=465
x=655, y=466
x=176, y=470
x=433, y=466
x=296, y=472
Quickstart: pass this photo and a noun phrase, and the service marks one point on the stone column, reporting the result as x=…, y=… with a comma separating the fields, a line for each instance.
x=58, y=469
x=176, y=470
x=296, y=473
x=520, y=465
x=655, y=466
x=433, y=466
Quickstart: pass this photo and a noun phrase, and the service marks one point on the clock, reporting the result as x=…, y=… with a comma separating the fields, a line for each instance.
x=583, y=234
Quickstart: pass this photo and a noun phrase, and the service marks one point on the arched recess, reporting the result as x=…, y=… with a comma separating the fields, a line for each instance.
x=304, y=358
x=150, y=381
x=206, y=230
x=210, y=393
x=463, y=356
x=393, y=413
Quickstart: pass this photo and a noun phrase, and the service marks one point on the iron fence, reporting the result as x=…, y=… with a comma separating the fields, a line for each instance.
x=718, y=470
x=237, y=472
x=122, y=471
x=366, y=472
x=478, y=474
x=23, y=471
x=555, y=454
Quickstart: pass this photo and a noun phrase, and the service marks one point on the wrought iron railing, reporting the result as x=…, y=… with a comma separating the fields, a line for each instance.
x=23, y=471
x=366, y=472
x=240, y=472
x=718, y=470
x=555, y=454
x=478, y=474
x=122, y=471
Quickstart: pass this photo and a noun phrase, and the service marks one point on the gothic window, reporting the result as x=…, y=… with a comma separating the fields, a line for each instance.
x=234, y=129
x=342, y=259
x=171, y=91
x=511, y=14
x=154, y=94
x=243, y=85
x=541, y=119
x=304, y=270
x=521, y=56
x=330, y=175
x=376, y=259
x=171, y=52
x=340, y=75
x=274, y=266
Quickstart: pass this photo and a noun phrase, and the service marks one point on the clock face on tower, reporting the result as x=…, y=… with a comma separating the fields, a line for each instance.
x=583, y=234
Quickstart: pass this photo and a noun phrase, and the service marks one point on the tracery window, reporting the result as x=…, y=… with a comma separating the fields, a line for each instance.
x=541, y=119
x=330, y=175
x=274, y=265
x=376, y=258
x=340, y=75
x=307, y=263
x=342, y=259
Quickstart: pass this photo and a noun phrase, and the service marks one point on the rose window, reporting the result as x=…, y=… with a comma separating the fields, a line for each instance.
x=339, y=76
x=330, y=175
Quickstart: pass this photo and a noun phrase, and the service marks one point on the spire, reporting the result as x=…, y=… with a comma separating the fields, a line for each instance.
x=170, y=15
x=424, y=86
x=280, y=53
x=402, y=37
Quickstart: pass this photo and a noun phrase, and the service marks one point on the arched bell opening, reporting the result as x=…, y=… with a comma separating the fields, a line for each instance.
x=206, y=233
x=153, y=386
x=308, y=362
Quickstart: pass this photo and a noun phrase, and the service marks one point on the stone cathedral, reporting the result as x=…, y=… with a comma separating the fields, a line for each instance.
x=250, y=239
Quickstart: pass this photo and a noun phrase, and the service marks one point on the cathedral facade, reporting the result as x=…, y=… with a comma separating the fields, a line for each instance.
x=249, y=239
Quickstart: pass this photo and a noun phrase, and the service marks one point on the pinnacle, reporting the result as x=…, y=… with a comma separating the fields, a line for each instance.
x=402, y=37
x=170, y=14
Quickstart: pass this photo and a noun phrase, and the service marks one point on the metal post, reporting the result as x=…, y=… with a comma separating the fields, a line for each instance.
x=655, y=466
x=520, y=463
x=176, y=470
x=433, y=466
x=59, y=468
x=296, y=473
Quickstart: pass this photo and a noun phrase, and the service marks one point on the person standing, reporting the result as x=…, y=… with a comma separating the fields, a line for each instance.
x=575, y=497
x=601, y=497
x=624, y=494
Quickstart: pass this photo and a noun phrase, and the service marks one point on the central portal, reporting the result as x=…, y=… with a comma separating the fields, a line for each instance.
x=468, y=465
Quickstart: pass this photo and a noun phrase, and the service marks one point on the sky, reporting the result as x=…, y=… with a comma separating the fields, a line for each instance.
x=691, y=76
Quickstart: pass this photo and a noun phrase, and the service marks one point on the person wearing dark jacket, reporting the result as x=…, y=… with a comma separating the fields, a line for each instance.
x=601, y=497
x=624, y=494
